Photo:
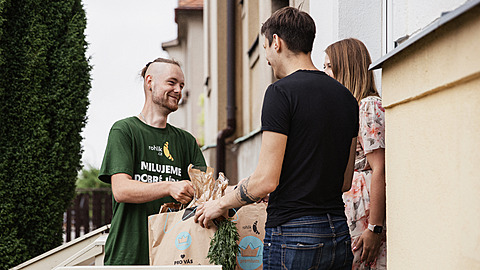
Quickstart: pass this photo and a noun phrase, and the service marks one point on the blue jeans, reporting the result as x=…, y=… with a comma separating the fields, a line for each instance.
x=310, y=242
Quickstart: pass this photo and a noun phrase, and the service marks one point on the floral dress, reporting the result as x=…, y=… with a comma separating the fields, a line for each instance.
x=371, y=136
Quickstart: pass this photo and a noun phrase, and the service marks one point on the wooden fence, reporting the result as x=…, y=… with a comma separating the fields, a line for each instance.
x=91, y=209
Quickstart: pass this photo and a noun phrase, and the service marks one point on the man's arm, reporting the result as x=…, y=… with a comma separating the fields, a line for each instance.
x=263, y=181
x=126, y=190
x=348, y=175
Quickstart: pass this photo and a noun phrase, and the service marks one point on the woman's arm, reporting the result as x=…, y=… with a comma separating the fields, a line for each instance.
x=369, y=240
x=376, y=159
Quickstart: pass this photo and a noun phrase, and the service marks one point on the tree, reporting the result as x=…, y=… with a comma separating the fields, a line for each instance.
x=88, y=178
x=44, y=85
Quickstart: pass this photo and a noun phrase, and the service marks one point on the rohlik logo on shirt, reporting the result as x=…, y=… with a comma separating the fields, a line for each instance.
x=167, y=152
x=162, y=151
x=157, y=148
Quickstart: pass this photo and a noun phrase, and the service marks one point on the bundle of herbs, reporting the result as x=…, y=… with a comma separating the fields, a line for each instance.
x=224, y=245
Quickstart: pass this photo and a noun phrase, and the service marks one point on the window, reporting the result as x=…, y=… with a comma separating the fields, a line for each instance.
x=278, y=4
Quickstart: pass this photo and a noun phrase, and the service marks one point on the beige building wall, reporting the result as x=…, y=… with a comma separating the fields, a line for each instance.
x=188, y=50
x=257, y=75
x=431, y=93
x=215, y=74
x=195, y=80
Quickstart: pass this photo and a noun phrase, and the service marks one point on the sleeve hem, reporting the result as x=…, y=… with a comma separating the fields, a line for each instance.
x=274, y=130
x=368, y=151
x=107, y=177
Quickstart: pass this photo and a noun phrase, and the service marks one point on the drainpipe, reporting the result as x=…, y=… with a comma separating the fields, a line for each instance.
x=231, y=121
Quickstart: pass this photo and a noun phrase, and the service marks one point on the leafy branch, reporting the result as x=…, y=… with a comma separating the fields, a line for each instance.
x=224, y=245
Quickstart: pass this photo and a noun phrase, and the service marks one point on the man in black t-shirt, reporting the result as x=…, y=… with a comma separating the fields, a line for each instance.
x=309, y=125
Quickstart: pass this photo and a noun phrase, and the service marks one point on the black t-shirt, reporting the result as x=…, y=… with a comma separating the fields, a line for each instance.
x=320, y=118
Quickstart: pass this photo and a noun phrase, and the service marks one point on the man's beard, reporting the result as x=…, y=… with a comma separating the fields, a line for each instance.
x=164, y=102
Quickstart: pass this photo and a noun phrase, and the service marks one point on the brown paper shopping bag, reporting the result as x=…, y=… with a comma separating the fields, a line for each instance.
x=175, y=239
x=251, y=228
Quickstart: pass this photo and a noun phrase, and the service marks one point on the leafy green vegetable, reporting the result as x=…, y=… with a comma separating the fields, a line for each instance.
x=224, y=245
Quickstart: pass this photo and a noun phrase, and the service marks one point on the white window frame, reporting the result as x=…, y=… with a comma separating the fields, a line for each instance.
x=387, y=26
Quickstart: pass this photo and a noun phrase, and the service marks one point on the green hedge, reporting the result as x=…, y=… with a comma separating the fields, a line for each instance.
x=44, y=85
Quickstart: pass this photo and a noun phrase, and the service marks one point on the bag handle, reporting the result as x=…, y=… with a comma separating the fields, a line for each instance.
x=185, y=216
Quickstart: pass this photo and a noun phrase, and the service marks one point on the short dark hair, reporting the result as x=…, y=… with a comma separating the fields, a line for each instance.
x=158, y=60
x=295, y=27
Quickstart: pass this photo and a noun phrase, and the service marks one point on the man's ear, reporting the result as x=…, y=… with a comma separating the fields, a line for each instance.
x=277, y=43
x=148, y=81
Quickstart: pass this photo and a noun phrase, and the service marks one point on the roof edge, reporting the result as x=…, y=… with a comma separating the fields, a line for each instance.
x=169, y=44
x=428, y=30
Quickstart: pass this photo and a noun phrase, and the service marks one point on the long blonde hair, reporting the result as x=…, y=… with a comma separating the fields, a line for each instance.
x=350, y=60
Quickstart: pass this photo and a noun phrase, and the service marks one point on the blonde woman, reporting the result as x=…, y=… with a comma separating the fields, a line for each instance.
x=347, y=61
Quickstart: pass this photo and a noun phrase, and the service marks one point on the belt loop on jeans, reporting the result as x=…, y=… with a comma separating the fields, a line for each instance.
x=276, y=230
x=279, y=230
x=330, y=221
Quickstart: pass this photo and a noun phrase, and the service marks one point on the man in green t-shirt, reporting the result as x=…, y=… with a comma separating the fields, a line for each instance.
x=146, y=161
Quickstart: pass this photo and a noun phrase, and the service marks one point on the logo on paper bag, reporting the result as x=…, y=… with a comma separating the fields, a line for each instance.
x=251, y=253
x=183, y=240
x=253, y=227
x=255, y=230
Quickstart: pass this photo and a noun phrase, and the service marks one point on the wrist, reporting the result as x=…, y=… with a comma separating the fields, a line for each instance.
x=221, y=204
x=168, y=185
x=375, y=228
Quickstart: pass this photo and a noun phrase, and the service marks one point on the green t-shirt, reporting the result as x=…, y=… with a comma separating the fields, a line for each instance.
x=147, y=154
